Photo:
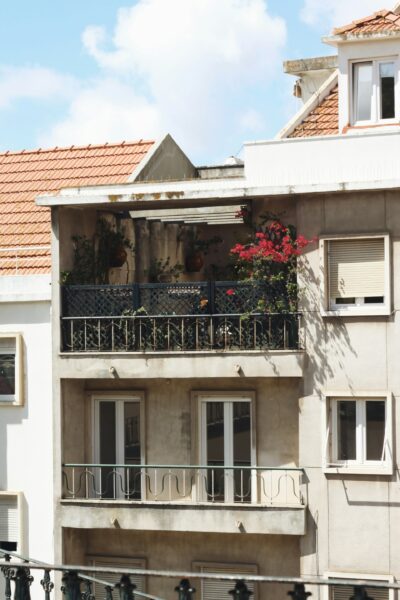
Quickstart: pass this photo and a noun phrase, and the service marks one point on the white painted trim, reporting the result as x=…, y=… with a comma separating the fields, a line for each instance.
x=18, y=398
x=356, y=576
x=21, y=529
x=309, y=106
x=228, y=398
x=365, y=310
x=119, y=398
x=384, y=467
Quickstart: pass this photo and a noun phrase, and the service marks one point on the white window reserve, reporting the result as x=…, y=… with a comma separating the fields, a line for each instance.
x=374, y=91
x=11, y=369
x=356, y=275
x=359, y=433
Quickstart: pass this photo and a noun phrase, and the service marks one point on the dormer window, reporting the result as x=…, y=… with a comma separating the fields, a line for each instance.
x=374, y=91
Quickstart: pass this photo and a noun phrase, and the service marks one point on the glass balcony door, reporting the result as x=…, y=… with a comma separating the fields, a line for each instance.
x=226, y=438
x=118, y=448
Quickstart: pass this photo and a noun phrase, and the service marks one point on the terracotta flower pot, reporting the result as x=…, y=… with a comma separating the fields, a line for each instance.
x=194, y=262
x=118, y=257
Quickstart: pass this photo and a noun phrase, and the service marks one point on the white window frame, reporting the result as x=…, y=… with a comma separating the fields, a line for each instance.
x=375, y=100
x=16, y=399
x=357, y=577
x=229, y=397
x=329, y=425
x=327, y=308
x=118, y=561
x=18, y=497
x=200, y=566
x=119, y=399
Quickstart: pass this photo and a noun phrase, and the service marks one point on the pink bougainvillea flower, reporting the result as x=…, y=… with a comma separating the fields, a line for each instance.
x=230, y=292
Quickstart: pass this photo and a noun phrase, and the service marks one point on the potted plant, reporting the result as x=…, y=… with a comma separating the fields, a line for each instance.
x=196, y=249
x=161, y=271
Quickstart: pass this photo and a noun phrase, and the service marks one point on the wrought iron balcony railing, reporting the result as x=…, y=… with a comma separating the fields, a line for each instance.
x=20, y=575
x=185, y=484
x=173, y=317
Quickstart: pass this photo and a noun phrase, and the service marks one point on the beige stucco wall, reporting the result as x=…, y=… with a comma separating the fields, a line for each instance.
x=352, y=519
x=274, y=555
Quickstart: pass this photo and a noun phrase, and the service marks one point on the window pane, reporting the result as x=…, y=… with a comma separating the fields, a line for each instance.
x=375, y=429
x=362, y=76
x=132, y=449
x=215, y=449
x=387, y=82
x=242, y=450
x=107, y=447
x=346, y=430
x=7, y=374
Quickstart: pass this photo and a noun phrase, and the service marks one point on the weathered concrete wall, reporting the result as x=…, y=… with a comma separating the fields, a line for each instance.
x=169, y=415
x=274, y=555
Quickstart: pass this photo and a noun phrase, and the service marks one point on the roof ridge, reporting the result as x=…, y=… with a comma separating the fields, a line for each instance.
x=123, y=144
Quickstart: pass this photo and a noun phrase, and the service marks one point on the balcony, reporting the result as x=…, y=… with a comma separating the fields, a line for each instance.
x=185, y=498
x=179, y=317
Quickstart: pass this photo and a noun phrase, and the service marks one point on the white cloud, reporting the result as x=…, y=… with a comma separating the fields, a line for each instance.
x=335, y=13
x=33, y=82
x=106, y=110
x=189, y=67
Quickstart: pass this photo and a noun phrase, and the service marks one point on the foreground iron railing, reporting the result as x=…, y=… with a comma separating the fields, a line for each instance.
x=166, y=333
x=184, y=483
x=78, y=582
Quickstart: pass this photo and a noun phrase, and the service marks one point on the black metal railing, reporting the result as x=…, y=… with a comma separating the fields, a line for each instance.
x=160, y=317
x=85, y=583
x=199, y=298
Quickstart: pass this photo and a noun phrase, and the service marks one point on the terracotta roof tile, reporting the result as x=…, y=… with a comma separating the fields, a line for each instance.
x=323, y=120
x=26, y=174
x=383, y=20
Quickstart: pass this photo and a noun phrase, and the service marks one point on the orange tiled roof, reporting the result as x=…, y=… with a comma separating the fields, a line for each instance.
x=323, y=120
x=381, y=21
x=24, y=226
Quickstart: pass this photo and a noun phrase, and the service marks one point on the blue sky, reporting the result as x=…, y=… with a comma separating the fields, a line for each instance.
x=206, y=71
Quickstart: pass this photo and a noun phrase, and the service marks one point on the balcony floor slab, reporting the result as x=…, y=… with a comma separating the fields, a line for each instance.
x=160, y=516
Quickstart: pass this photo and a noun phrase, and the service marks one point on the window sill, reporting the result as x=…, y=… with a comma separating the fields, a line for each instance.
x=357, y=312
x=359, y=470
x=10, y=403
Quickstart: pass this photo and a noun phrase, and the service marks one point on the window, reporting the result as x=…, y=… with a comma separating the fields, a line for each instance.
x=374, y=91
x=212, y=589
x=359, y=433
x=357, y=275
x=9, y=522
x=10, y=368
x=344, y=592
x=227, y=440
x=114, y=562
x=118, y=441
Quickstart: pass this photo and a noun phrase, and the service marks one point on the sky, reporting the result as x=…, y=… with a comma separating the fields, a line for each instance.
x=209, y=72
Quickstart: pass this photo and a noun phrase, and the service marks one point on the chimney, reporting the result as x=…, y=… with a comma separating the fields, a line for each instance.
x=397, y=8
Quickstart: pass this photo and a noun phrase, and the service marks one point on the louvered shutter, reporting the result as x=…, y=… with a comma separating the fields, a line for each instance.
x=212, y=589
x=356, y=268
x=345, y=592
x=138, y=580
x=9, y=521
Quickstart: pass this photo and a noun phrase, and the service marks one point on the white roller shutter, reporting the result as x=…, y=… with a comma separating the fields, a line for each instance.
x=345, y=592
x=116, y=563
x=356, y=268
x=212, y=589
x=9, y=520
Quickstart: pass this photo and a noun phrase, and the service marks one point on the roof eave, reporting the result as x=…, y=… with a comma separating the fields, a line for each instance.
x=347, y=38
